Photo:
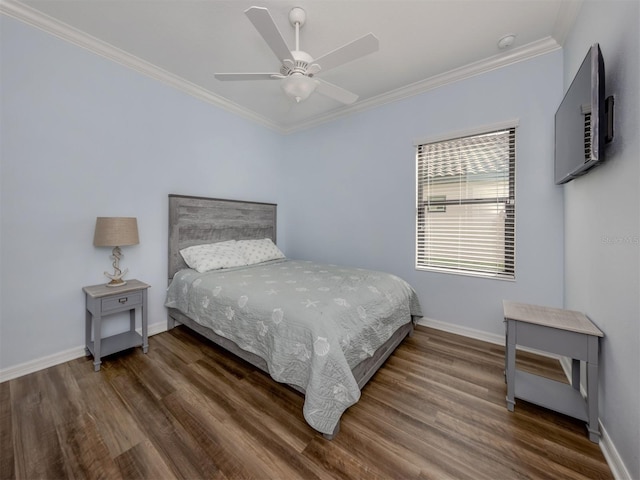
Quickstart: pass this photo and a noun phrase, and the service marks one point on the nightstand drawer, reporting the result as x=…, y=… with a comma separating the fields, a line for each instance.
x=124, y=301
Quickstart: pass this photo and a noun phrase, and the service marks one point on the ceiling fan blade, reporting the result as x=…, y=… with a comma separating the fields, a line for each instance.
x=351, y=51
x=337, y=93
x=262, y=20
x=246, y=76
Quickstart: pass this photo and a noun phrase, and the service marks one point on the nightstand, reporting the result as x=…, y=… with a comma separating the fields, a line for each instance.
x=102, y=301
x=563, y=332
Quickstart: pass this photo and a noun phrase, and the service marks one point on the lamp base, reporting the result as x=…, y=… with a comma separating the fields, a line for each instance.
x=116, y=276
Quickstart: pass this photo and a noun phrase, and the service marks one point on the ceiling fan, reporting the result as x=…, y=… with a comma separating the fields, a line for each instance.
x=298, y=69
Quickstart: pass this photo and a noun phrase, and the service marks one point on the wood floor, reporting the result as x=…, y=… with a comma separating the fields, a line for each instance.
x=436, y=410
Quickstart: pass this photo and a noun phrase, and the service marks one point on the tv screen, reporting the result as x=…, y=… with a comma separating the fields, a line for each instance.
x=580, y=122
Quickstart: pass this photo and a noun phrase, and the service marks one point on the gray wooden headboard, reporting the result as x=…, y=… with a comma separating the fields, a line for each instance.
x=199, y=220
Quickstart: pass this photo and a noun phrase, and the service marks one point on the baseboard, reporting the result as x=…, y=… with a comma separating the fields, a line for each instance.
x=607, y=447
x=618, y=469
x=611, y=455
x=480, y=335
x=60, y=357
x=460, y=330
x=41, y=363
x=153, y=329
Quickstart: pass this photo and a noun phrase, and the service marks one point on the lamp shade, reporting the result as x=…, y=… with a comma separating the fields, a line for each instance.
x=116, y=231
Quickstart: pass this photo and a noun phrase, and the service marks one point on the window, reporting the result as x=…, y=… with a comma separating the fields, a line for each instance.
x=465, y=219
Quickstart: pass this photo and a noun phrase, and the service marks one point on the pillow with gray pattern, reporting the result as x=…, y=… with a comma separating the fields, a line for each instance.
x=213, y=256
x=258, y=251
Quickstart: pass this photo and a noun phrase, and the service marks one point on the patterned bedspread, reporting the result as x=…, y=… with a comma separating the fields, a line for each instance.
x=311, y=323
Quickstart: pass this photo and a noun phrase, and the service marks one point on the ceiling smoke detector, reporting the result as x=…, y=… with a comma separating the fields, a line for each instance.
x=506, y=41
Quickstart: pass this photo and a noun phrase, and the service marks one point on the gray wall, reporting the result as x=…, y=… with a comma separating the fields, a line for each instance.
x=84, y=137
x=354, y=190
x=602, y=223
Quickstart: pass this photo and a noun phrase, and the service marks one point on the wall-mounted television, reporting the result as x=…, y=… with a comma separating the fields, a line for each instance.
x=583, y=121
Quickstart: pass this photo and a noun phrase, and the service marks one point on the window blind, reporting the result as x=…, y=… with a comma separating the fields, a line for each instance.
x=465, y=218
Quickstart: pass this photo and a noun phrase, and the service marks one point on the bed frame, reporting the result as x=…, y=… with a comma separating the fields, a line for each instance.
x=200, y=220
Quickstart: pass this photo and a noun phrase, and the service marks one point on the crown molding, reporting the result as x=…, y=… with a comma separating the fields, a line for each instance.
x=540, y=47
x=39, y=20
x=569, y=10
x=50, y=25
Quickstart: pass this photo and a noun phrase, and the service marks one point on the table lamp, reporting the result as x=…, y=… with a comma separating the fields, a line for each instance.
x=116, y=232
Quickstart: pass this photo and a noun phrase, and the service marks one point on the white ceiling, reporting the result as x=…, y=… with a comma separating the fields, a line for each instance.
x=423, y=44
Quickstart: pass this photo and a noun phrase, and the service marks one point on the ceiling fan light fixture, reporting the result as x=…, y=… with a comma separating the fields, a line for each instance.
x=298, y=86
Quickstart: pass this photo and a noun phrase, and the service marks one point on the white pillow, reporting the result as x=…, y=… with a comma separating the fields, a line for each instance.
x=213, y=256
x=258, y=251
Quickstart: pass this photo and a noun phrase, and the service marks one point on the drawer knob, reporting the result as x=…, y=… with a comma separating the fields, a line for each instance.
x=123, y=300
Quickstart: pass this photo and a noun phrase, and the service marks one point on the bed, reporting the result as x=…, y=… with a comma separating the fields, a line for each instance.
x=322, y=329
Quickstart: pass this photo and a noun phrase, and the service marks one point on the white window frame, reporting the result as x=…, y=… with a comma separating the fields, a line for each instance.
x=460, y=256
